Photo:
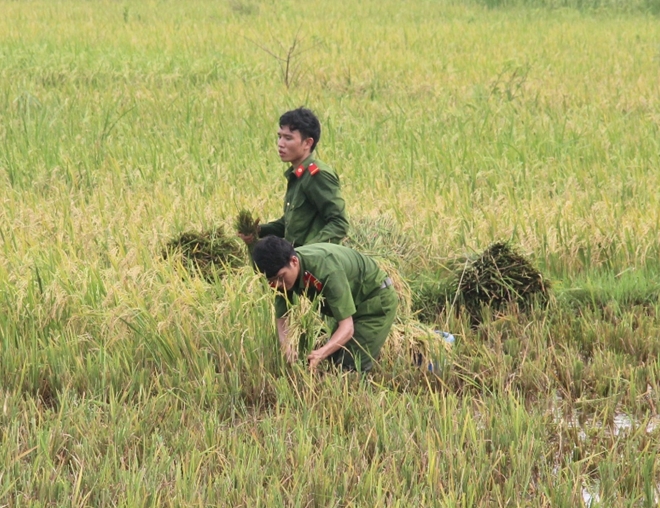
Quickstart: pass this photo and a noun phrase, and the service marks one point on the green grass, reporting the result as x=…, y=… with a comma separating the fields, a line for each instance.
x=452, y=124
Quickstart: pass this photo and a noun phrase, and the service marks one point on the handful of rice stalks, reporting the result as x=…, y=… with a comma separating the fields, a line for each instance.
x=245, y=224
x=206, y=254
x=307, y=329
x=500, y=276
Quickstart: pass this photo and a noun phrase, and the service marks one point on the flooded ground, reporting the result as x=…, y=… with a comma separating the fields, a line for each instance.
x=622, y=424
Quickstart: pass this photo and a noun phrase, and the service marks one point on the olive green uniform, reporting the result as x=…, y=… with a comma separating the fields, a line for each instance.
x=350, y=284
x=314, y=209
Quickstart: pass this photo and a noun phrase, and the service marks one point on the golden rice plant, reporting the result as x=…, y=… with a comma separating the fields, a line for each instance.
x=408, y=338
x=307, y=328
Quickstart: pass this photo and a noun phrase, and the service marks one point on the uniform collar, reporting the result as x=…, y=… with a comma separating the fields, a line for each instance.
x=305, y=164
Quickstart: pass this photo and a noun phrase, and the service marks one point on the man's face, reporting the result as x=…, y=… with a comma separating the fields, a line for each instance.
x=287, y=277
x=291, y=147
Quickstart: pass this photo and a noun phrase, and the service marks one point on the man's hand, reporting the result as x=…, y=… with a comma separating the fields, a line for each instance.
x=249, y=239
x=314, y=358
x=339, y=339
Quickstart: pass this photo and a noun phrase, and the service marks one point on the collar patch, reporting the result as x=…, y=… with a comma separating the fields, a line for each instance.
x=310, y=280
x=300, y=170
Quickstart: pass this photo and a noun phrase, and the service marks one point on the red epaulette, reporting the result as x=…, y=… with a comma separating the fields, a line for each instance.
x=313, y=169
x=310, y=280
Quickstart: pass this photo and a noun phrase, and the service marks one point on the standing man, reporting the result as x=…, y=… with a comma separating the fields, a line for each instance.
x=314, y=209
x=355, y=291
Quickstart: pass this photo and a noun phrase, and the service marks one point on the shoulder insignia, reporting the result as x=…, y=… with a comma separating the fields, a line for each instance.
x=310, y=280
x=299, y=171
x=313, y=169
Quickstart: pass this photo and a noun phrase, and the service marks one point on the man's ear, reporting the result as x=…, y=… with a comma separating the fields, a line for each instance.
x=294, y=261
x=308, y=143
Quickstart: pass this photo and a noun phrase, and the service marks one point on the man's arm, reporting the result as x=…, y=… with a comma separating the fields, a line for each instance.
x=324, y=191
x=275, y=227
x=289, y=352
x=342, y=335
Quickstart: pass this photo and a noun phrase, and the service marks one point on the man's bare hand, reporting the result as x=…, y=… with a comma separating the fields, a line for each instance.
x=249, y=239
x=314, y=358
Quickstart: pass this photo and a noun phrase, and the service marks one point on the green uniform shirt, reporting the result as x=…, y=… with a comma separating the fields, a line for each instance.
x=314, y=209
x=345, y=278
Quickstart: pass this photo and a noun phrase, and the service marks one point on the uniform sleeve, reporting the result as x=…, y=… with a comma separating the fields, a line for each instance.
x=324, y=191
x=338, y=297
x=275, y=227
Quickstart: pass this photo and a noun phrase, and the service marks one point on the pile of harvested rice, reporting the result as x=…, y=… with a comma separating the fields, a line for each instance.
x=499, y=277
x=206, y=253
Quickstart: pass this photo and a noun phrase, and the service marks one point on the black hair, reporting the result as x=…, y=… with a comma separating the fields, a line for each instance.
x=271, y=254
x=304, y=121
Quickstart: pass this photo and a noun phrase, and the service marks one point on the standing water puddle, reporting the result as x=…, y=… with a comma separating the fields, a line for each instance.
x=622, y=423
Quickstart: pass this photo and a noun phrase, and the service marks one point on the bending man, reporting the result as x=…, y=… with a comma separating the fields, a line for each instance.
x=354, y=290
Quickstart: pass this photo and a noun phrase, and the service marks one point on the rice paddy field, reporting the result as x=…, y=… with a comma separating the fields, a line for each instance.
x=126, y=380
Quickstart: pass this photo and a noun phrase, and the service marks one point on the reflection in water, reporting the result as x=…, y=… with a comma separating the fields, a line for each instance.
x=622, y=423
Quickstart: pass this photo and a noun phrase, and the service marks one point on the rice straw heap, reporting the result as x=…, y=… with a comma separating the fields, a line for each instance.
x=499, y=277
x=206, y=254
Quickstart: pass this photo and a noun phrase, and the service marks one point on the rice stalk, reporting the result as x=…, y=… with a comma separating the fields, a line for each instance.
x=307, y=330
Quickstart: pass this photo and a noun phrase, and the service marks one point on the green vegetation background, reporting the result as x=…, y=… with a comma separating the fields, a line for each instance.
x=452, y=124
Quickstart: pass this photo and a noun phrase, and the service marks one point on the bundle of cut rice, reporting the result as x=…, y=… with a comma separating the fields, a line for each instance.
x=206, y=253
x=245, y=224
x=307, y=328
x=498, y=277
x=416, y=343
